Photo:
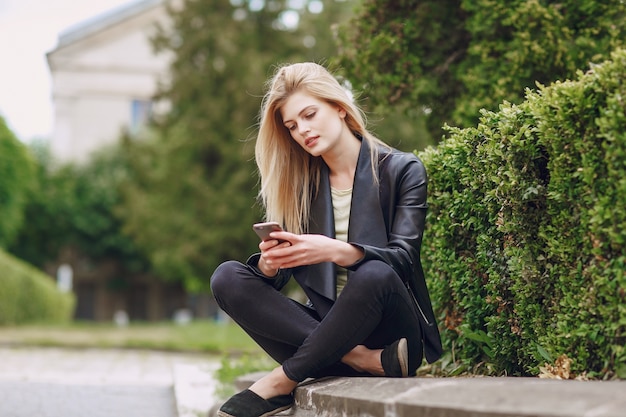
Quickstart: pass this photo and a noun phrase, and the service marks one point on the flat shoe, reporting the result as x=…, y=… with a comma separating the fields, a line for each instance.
x=248, y=404
x=395, y=359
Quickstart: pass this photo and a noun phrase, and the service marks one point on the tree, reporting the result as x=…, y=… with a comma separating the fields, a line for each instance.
x=444, y=60
x=191, y=198
x=16, y=178
x=73, y=207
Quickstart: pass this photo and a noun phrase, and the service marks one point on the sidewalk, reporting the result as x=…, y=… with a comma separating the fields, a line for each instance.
x=51, y=382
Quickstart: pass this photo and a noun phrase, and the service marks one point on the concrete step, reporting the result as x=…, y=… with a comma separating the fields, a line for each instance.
x=457, y=397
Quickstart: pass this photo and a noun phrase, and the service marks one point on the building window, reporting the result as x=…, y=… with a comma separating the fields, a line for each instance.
x=141, y=112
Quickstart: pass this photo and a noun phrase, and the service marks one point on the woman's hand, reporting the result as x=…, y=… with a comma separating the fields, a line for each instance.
x=299, y=250
x=266, y=246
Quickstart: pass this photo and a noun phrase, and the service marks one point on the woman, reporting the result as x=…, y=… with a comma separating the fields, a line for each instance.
x=354, y=212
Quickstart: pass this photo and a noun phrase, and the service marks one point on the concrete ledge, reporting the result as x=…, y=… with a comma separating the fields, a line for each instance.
x=457, y=397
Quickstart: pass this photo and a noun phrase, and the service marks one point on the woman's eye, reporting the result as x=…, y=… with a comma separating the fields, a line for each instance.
x=292, y=127
x=310, y=115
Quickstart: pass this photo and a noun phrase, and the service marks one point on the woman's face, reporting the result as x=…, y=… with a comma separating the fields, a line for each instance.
x=314, y=124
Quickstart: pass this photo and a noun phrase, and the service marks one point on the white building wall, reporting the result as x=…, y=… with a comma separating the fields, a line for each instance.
x=96, y=76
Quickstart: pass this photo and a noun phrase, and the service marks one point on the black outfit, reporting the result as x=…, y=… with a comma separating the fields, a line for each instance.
x=385, y=297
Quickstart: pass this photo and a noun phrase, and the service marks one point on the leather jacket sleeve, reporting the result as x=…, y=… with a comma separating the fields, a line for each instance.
x=279, y=281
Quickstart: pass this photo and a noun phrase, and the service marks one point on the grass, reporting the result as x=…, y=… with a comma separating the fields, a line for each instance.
x=203, y=336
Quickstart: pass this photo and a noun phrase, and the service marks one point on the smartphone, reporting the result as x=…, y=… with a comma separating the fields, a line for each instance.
x=264, y=229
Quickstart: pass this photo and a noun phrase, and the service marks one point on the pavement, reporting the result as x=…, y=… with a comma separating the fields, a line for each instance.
x=53, y=382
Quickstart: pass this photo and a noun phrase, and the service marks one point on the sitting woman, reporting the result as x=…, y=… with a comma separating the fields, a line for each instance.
x=353, y=210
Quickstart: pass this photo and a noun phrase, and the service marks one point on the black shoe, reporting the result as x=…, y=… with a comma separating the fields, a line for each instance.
x=248, y=404
x=395, y=359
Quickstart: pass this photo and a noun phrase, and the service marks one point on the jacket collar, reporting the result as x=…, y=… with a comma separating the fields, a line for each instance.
x=366, y=225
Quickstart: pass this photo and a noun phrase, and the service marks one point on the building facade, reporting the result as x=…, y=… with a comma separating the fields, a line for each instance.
x=104, y=77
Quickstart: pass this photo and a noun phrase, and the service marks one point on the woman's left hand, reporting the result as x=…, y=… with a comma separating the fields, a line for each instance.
x=311, y=249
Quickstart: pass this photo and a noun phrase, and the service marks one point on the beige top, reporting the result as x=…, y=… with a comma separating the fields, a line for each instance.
x=341, y=210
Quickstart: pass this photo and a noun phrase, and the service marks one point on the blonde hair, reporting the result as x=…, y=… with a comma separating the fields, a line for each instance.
x=289, y=175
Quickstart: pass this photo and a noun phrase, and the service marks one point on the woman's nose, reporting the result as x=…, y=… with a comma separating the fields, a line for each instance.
x=304, y=129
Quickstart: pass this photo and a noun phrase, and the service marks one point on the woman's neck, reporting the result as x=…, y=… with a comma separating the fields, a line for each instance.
x=342, y=163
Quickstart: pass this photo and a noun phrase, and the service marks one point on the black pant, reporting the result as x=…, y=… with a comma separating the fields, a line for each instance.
x=374, y=309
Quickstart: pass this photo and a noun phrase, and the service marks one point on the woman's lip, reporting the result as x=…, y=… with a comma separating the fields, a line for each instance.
x=310, y=141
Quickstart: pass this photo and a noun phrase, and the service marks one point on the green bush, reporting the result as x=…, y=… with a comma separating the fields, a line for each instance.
x=525, y=248
x=72, y=206
x=28, y=295
x=444, y=60
x=16, y=176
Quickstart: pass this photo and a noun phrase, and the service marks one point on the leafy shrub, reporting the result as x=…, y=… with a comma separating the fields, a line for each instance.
x=28, y=295
x=454, y=57
x=526, y=249
x=16, y=176
x=73, y=206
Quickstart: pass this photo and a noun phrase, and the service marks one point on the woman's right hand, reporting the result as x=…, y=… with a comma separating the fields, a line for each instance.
x=266, y=246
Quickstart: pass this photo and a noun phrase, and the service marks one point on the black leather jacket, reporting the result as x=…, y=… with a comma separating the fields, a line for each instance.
x=387, y=221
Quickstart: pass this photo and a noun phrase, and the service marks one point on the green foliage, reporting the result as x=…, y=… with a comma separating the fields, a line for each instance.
x=73, y=207
x=16, y=177
x=403, y=55
x=233, y=367
x=191, y=200
x=28, y=295
x=526, y=249
x=187, y=222
x=452, y=58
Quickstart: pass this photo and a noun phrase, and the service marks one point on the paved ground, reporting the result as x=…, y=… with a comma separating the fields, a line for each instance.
x=50, y=382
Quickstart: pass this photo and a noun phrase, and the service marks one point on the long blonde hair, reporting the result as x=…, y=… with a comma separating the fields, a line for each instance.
x=289, y=175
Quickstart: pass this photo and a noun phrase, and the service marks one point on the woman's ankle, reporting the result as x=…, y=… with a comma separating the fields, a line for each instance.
x=273, y=384
x=363, y=359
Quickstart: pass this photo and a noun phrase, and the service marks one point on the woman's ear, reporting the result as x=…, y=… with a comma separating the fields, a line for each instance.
x=342, y=112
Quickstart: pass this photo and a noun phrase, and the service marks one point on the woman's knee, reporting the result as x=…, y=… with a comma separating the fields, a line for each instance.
x=225, y=278
x=375, y=275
